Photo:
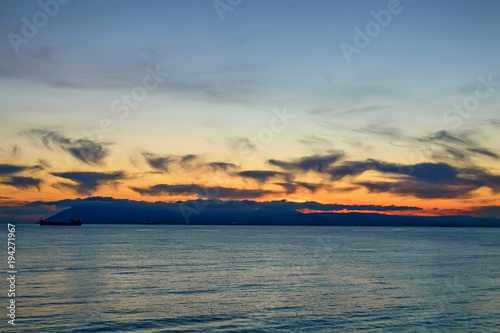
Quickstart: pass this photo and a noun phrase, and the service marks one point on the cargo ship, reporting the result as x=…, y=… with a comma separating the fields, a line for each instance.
x=74, y=222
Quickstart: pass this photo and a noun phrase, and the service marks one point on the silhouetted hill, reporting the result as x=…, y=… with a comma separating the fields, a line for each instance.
x=111, y=211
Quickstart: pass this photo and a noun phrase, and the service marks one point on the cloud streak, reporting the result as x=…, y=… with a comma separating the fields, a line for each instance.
x=160, y=163
x=221, y=166
x=263, y=176
x=84, y=150
x=23, y=183
x=317, y=163
x=9, y=169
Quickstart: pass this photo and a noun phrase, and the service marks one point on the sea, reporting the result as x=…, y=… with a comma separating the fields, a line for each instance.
x=192, y=278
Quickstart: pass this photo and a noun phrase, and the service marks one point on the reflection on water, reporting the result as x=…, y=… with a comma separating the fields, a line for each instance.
x=237, y=278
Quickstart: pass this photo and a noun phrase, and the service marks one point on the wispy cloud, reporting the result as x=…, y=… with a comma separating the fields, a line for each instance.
x=484, y=152
x=262, y=176
x=317, y=163
x=292, y=187
x=314, y=140
x=84, y=150
x=161, y=163
x=223, y=166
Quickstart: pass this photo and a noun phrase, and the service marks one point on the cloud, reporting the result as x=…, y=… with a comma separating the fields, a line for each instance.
x=44, y=163
x=292, y=187
x=262, y=176
x=355, y=168
x=317, y=111
x=419, y=189
x=483, y=151
x=189, y=162
x=242, y=205
x=241, y=145
x=88, y=182
x=164, y=163
x=429, y=172
x=455, y=154
x=23, y=183
x=458, y=146
x=318, y=163
x=366, y=108
x=427, y=180
x=188, y=158
x=313, y=140
x=161, y=163
x=221, y=166
x=9, y=169
x=16, y=151
x=495, y=122
x=424, y=180
x=382, y=130
x=487, y=211
x=433, y=172
x=445, y=136
x=84, y=150
x=202, y=191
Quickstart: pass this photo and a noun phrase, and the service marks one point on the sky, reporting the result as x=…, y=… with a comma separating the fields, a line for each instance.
x=348, y=102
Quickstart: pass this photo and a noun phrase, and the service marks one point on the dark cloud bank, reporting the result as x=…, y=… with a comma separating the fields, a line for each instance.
x=9, y=175
x=423, y=180
x=85, y=183
x=102, y=210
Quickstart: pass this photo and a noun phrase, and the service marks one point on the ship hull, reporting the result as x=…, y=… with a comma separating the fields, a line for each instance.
x=60, y=223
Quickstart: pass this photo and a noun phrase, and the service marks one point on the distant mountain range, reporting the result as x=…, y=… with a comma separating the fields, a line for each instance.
x=216, y=212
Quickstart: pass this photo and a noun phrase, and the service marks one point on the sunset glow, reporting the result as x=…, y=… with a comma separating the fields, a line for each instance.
x=146, y=106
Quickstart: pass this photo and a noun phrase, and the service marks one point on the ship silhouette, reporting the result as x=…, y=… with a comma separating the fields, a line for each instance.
x=74, y=222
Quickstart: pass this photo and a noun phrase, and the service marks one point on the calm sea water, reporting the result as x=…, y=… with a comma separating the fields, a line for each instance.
x=256, y=279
